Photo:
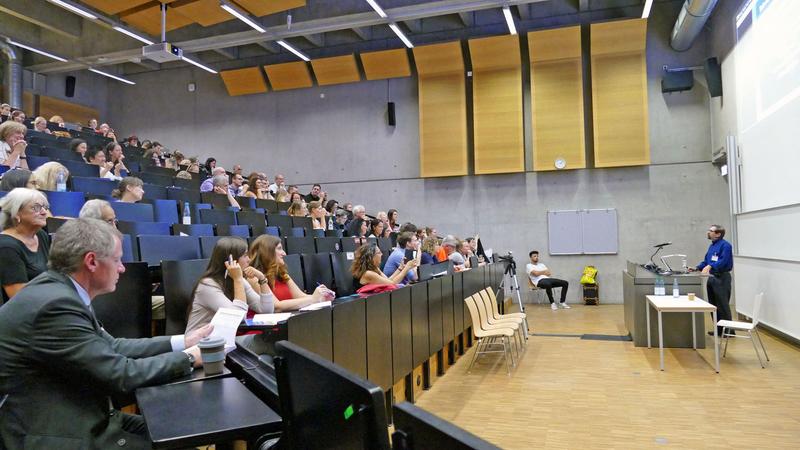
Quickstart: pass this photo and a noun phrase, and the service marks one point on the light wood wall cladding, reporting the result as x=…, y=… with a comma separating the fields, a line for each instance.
x=442, y=110
x=244, y=81
x=147, y=18
x=115, y=6
x=71, y=112
x=292, y=75
x=386, y=64
x=619, y=93
x=204, y=12
x=557, y=118
x=263, y=7
x=497, y=104
x=335, y=70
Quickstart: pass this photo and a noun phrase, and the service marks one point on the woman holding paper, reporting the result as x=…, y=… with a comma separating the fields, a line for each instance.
x=267, y=255
x=229, y=282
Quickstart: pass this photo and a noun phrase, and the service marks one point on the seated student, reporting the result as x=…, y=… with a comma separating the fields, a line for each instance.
x=397, y=260
x=375, y=228
x=394, y=225
x=220, y=183
x=298, y=209
x=5, y=112
x=366, y=268
x=266, y=255
x=540, y=277
x=18, y=116
x=97, y=157
x=282, y=195
x=100, y=210
x=129, y=190
x=40, y=125
x=78, y=146
x=24, y=245
x=58, y=120
x=315, y=194
x=229, y=284
x=430, y=247
x=449, y=246
x=47, y=175
x=331, y=206
x=296, y=197
x=153, y=155
x=317, y=214
x=13, y=145
x=115, y=156
x=339, y=219
x=18, y=178
x=208, y=184
x=257, y=187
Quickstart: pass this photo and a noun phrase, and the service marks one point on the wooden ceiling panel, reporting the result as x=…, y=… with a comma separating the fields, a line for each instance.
x=336, y=70
x=386, y=64
x=244, y=81
x=292, y=75
x=148, y=19
x=204, y=12
x=438, y=59
x=497, y=52
x=620, y=36
x=261, y=8
x=556, y=44
x=114, y=6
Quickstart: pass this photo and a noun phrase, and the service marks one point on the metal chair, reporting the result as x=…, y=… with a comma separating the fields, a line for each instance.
x=749, y=327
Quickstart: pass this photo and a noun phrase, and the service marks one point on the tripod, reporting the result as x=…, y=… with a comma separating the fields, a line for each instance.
x=510, y=276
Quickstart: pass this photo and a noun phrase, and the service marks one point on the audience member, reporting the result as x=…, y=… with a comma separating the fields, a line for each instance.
x=18, y=116
x=58, y=120
x=357, y=228
x=208, y=184
x=540, y=277
x=183, y=175
x=397, y=259
x=193, y=166
x=92, y=123
x=24, y=245
x=97, y=157
x=298, y=209
x=235, y=186
x=375, y=228
x=153, y=155
x=430, y=247
x=5, y=112
x=394, y=224
x=18, y=178
x=282, y=196
x=340, y=220
x=220, y=183
x=60, y=368
x=292, y=189
x=108, y=132
x=277, y=185
x=229, y=284
x=266, y=255
x=116, y=158
x=366, y=268
x=296, y=197
x=100, y=210
x=131, y=141
x=208, y=167
x=257, y=187
x=40, y=125
x=359, y=215
x=449, y=246
x=317, y=214
x=79, y=146
x=47, y=175
x=13, y=145
x=331, y=206
x=316, y=190
x=129, y=190
x=237, y=169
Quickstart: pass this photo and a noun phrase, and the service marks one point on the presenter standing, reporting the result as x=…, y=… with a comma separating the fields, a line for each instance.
x=718, y=263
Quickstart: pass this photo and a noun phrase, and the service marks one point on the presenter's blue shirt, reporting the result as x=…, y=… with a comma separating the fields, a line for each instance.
x=719, y=256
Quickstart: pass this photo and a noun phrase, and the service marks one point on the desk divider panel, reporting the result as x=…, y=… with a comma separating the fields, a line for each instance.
x=402, y=363
x=434, y=315
x=379, y=340
x=448, y=324
x=313, y=330
x=419, y=323
x=350, y=335
x=460, y=319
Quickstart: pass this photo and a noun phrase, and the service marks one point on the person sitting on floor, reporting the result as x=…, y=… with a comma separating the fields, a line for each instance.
x=540, y=277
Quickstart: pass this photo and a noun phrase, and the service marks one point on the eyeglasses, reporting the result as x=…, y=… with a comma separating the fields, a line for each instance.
x=37, y=208
x=113, y=221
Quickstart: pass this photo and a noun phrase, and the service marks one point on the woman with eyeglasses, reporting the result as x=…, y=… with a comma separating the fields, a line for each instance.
x=24, y=245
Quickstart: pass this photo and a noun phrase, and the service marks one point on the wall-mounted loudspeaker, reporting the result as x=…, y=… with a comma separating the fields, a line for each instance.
x=677, y=81
x=390, y=114
x=713, y=77
x=69, y=86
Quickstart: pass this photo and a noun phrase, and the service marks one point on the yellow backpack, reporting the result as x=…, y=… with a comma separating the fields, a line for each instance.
x=589, y=272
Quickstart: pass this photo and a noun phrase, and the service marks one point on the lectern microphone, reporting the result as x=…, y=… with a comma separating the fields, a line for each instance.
x=662, y=245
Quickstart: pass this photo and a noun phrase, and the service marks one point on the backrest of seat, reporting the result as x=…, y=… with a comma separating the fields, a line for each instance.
x=251, y=218
x=215, y=200
x=137, y=228
x=165, y=210
x=99, y=186
x=328, y=244
x=179, y=278
x=155, y=249
x=217, y=216
x=334, y=233
x=133, y=212
x=303, y=222
x=473, y=313
x=283, y=206
x=183, y=195
x=207, y=244
x=154, y=191
x=127, y=312
x=195, y=229
x=274, y=231
x=385, y=244
x=295, y=269
x=491, y=305
x=54, y=223
x=316, y=233
x=317, y=270
x=233, y=230
x=297, y=245
x=298, y=232
x=284, y=223
x=246, y=202
x=81, y=169
x=130, y=249
x=193, y=184
x=349, y=244
x=342, y=278
x=157, y=179
x=271, y=206
x=67, y=204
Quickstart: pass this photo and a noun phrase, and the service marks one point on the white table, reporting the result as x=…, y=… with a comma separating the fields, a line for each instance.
x=668, y=303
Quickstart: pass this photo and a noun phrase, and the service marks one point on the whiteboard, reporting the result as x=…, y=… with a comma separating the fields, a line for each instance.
x=582, y=232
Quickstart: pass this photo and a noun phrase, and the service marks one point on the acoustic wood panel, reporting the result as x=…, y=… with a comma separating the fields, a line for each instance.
x=148, y=18
x=497, y=105
x=244, y=81
x=204, y=12
x=263, y=7
x=557, y=98
x=619, y=93
x=442, y=110
x=386, y=64
x=71, y=112
x=115, y=6
x=291, y=75
x=335, y=70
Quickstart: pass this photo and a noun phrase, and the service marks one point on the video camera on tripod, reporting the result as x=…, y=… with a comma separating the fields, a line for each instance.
x=511, y=265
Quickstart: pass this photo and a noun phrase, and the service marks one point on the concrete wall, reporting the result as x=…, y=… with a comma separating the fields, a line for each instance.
x=342, y=141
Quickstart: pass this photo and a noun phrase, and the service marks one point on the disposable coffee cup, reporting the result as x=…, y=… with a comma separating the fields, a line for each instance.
x=690, y=295
x=212, y=350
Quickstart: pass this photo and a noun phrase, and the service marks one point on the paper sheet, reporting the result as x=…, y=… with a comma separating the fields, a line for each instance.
x=270, y=319
x=226, y=321
x=315, y=306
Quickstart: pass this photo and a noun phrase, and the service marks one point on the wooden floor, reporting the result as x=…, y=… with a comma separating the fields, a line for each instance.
x=573, y=393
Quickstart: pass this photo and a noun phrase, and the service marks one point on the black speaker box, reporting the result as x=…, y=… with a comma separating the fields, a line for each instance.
x=69, y=86
x=713, y=77
x=390, y=114
x=677, y=81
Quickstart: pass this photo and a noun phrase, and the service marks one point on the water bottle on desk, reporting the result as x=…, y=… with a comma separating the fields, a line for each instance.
x=675, y=291
x=61, y=181
x=658, y=286
x=187, y=215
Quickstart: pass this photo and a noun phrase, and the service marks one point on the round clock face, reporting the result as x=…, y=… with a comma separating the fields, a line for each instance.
x=560, y=163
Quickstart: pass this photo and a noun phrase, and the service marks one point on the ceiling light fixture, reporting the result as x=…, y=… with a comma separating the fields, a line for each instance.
x=106, y=74
x=509, y=20
x=646, y=11
x=74, y=8
x=293, y=50
x=400, y=34
x=130, y=33
x=195, y=63
x=36, y=50
x=241, y=15
x=377, y=8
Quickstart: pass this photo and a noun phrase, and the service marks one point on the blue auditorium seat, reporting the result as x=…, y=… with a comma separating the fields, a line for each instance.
x=233, y=230
x=100, y=186
x=139, y=228
x=67, y=204
x=195, y=229
x=165, y=210
x=133, y=212
x=154, y=191
x=207, y=244
x=154, y=249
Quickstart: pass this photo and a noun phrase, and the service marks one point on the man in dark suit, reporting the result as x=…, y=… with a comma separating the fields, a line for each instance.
x=59, y=368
